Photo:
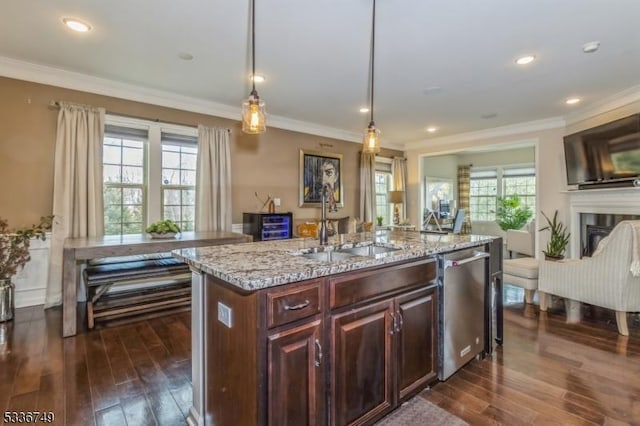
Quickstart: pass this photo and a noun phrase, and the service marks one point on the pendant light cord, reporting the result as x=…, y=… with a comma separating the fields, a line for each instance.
x=373, y=53
x=253, y=46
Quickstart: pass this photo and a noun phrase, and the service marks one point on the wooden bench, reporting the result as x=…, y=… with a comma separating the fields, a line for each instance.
x=171, y=287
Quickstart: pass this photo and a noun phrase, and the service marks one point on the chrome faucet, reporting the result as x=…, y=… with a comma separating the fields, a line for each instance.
x=326, y=189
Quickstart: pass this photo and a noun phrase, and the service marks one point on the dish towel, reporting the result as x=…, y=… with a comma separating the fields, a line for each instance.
x=635, y=260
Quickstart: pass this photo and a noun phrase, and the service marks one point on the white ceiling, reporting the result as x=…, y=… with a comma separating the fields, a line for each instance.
x=315, y=55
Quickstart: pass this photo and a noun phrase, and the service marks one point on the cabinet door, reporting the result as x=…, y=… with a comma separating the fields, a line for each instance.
x=295, y=376
x=417, y=340
x=361, y=373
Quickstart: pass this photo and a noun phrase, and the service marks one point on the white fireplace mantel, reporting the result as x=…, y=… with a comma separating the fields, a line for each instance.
x=611, y=200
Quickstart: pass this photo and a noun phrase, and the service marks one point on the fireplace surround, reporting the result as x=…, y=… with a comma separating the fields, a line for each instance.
x=602, y=209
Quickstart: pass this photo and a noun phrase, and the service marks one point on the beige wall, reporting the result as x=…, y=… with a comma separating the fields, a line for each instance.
x=266, y=164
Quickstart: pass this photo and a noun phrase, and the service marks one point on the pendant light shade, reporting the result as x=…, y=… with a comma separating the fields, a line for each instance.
x=371, y=142
x=253, y=109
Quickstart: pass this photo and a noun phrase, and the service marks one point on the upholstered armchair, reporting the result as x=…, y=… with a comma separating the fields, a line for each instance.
x=610, y=278
x=522, y=240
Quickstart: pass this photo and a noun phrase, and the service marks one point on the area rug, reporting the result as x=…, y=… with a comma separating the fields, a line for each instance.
x=419, y=412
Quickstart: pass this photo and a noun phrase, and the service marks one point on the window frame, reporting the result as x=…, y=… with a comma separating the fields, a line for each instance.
x=153, y=207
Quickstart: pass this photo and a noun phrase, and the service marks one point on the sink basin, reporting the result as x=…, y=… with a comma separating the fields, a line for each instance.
x=328, y=256
x=370, y=250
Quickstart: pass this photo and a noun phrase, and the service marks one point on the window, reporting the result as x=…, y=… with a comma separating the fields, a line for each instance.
x=383, y=186
x=483, y=195
x=521, y=182
x=148, y=174
x=179, y=179
x=487, y=185
x=124, y=177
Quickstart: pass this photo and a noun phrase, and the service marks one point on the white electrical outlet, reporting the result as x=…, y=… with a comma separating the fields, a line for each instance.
x=225, y=314
x=276, y=202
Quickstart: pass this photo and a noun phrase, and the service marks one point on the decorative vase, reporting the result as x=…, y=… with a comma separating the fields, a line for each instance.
x=6, y=300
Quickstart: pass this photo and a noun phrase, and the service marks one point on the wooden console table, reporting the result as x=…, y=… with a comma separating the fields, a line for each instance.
x=79, y=250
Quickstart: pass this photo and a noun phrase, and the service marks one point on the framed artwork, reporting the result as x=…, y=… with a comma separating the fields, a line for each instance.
x=318, y=168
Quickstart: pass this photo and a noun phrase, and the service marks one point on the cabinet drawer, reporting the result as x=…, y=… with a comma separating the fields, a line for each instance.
x=353, y=288
x=291, y=304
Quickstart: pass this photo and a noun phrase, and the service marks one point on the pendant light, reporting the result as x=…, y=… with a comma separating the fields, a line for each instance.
x=253, y=110
x=371, y=142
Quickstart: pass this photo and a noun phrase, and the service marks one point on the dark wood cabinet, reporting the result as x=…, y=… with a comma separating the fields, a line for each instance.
x=361, y=372
x=418, y=340
x=296, y=376
x=384, y=351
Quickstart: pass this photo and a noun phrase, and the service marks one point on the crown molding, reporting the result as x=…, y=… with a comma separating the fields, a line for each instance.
x=511, y=130
x=619, y=100
x=43, y=74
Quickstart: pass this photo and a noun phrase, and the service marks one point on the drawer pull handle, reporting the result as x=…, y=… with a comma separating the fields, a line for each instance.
x=319, y=354
x=393, y=324
x=297, y=307
x=400, y=322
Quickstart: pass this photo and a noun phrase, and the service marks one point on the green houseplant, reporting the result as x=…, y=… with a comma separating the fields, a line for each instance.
x=511, y=214
x=559, y=238
x=379, y=219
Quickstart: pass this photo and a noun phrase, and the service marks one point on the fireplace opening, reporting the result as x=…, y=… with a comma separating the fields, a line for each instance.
x=595, y=226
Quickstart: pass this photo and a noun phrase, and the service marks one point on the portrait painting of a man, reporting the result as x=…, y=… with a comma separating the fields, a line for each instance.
x=319, y=170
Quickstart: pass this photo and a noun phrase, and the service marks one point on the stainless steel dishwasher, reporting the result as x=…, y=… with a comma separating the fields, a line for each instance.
x=464, y=276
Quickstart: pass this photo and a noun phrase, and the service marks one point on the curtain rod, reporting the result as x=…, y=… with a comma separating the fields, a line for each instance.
x=56, y=104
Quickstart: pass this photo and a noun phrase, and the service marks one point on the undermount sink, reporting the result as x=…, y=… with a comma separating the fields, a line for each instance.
x=328, y=256
x=370, y=250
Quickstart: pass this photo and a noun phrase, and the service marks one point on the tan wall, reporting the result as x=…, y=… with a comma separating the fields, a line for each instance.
x=266, y=164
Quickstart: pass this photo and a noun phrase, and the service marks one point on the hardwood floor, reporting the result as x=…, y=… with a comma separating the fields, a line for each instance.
x=547, y=372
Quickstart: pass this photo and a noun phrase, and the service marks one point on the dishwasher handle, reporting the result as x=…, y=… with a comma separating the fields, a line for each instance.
x=476, y=256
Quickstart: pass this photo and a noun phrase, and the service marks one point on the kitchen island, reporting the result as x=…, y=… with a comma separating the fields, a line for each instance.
x=290, y=332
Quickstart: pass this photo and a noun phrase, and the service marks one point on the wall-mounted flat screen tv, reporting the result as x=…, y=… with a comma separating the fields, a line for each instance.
x=606, y=153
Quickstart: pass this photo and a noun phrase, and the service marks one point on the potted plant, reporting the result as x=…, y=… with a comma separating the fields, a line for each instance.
x=163, y=229
x=559, y=238
x=379, y=219
x=14, y=254
x=511, y=214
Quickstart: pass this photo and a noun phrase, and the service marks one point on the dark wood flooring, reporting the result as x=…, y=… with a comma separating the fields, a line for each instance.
x=547, y=372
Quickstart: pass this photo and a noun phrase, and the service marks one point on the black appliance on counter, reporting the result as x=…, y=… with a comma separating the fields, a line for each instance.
x=268, y=226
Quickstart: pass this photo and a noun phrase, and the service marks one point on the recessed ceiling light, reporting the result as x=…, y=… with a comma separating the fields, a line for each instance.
x=432, y=129
x=185, y=56
x=364, y=110
x=258, y=78
x=591, y=47
x=572, y=101
x=431, y=90
x=76, y=25
x=489, y=115
x=524, y=60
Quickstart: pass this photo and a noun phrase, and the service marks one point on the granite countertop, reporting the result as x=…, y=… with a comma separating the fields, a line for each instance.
x=254, y=266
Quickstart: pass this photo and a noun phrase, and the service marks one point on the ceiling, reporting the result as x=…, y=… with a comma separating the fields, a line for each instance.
x=445, y=64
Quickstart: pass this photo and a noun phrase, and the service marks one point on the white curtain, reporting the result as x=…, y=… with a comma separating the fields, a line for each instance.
x=367, y=187
x=399, y=171
x=77, y=185
x=213, y=180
